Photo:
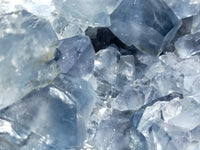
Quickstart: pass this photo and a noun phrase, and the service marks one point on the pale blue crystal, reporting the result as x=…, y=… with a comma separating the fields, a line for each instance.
x=188, y=45
x=106, y=64
x=196, y=24
x=148, y=24
x=50, y=118
x=87, y=12
x=75, y=56
x=184, y=8
x=111, y=5
x=27, y=44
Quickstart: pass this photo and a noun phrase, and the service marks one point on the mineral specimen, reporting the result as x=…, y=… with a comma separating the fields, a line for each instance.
x=75, y=56
x=27, y=43
x=184, y=8
x=99, y=75
x=50, y=118
x=87, y=12
x=188, y=45
x=196, y=24
x=148, y=24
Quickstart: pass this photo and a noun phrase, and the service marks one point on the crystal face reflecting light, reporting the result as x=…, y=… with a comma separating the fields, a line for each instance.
x=106, y=75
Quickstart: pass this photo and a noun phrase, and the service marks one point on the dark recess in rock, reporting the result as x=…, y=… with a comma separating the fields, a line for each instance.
x=104, y=38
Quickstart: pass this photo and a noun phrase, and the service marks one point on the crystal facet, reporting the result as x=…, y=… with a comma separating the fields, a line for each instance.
x=26, y=44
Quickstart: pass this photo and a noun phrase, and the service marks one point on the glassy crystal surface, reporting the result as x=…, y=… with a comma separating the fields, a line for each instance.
x=126, y=71
x=111, y=5
x=137, y=89
x=27, y=43
x=196, y=23
x=188, y=45
x=114, y=134
x=87, y=12
x=106, y=64
x=75, y=56
x=36, y=7
x=50, y=118
x=184, y=8
x=65, y=28
x=147, y=24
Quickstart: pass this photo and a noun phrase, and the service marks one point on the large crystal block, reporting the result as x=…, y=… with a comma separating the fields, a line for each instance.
x=26, y=44
x=87, y=12
x=50, y=118
x=75, y=56
x=148, y=24
x=188, y=45
x=184, y=8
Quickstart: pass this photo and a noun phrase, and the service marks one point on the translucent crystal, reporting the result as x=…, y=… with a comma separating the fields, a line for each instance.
x=184, y=8
x=196, y=24
x=111, y=5
x=134, y=97
x=63, y=27
x=126, y=71
x=106, y=64
x=147, y=24
x=87, y=12
x=114, y=133
x=159, y=134
x=36, y=7
x=66, y=29
x=188, y=118
x=188, y=45
x=75, y=56
x=50, y=118
x=27, y=43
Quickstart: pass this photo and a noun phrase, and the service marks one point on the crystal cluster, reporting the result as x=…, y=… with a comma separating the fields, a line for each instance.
x=100, y=75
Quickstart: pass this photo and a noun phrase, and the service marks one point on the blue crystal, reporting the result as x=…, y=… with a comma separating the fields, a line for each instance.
x=148, y=24
x=75, y=56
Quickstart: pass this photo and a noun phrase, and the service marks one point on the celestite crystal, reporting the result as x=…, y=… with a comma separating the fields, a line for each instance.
x=75, y=56
x=196, y=23
x=50, y=118
x=188, y=45
x=87, y=12
x=27, y=43
x=148, y=24
x=184, y=8
x=99, y=75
